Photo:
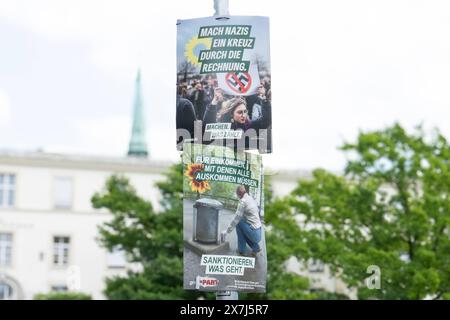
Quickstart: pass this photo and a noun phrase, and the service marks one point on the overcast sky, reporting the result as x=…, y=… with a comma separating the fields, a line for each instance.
x=67, y=71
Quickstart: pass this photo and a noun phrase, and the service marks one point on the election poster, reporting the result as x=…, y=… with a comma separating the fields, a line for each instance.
x=223, y=225
x=224, y=91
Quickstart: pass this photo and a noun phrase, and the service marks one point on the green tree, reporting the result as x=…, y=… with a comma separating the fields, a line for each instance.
x=62, y=296
x=150, y=239
x=391, y=209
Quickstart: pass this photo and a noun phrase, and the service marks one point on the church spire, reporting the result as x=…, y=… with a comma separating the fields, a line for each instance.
x=138, y=142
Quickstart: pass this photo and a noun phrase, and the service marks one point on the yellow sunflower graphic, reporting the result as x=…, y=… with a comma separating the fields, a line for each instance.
x=193, y=47
x=196, y=185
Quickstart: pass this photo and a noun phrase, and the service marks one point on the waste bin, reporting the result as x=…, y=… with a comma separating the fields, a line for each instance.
x=206, y=220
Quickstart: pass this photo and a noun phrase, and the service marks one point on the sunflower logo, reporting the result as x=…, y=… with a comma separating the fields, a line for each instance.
x=193, y=47
x=196, y=185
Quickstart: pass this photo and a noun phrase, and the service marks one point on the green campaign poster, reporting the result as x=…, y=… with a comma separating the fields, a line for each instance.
x=223, y=225
x=224, y=82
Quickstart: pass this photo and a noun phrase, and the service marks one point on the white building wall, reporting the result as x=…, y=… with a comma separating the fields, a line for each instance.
x=32, y=187
x=35, y=186
x=32, y=255
x=34, y=222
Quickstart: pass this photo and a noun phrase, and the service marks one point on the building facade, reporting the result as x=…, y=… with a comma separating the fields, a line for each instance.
x=48, y=227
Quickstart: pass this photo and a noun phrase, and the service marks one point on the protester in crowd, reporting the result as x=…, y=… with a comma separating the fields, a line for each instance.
x=253, y=106
x=209, y=85
x=185, y=116
x=198, y=99
x=266, y=82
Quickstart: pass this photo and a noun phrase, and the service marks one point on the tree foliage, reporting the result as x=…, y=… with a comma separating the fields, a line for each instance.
x=62, y=296
x=391, y=209
x=151, y=240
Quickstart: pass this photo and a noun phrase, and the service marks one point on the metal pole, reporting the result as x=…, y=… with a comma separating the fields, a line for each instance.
x=221, y=8
x=227, y=295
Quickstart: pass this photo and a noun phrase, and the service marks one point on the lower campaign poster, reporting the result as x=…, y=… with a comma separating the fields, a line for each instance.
x=224, y=243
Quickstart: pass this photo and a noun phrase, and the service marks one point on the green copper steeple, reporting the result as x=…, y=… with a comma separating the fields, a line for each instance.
x=138, y=142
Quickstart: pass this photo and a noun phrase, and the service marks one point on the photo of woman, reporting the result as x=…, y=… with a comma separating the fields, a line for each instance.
x=236, y=112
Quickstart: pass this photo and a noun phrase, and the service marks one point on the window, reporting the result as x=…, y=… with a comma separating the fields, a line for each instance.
x=6, y=291
x=7, y=182
x=61, y=251
x=116, y=259
x=59, y=288
x=62, y=192
x=5, y=249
